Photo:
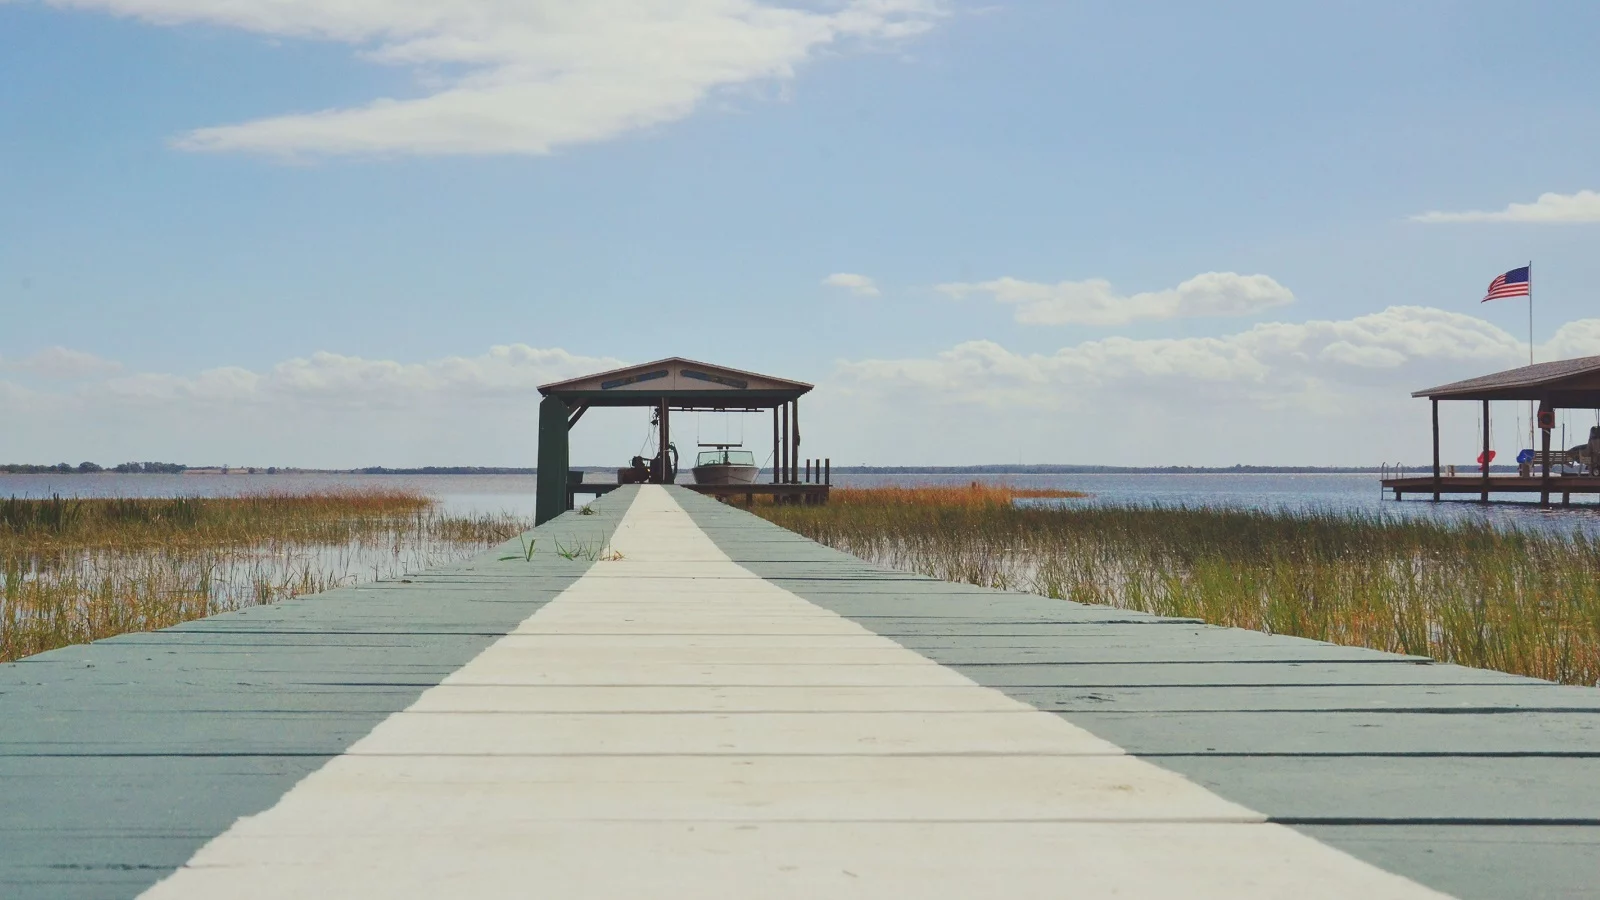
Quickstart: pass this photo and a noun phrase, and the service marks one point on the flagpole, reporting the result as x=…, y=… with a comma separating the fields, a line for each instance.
x=1530, y=312
x=1531, y=414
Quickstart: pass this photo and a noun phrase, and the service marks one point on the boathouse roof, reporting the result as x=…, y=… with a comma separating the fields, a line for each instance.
x=1569, y=383
x=680, y=382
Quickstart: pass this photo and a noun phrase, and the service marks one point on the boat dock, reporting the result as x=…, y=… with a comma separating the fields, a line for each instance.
x=1568, y=384
x=703, y=704
x=1563, y=486
x=804, y=492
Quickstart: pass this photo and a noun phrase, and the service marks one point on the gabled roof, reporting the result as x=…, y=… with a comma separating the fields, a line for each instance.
x=1567, y=377
x=678, y=380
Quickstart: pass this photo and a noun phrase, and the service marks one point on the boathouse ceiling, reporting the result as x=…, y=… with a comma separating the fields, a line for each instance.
x=1565, y=384
x=678, y=382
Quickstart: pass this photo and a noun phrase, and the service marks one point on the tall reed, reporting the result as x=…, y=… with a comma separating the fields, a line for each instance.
x=74, y=570
x=1462, y=591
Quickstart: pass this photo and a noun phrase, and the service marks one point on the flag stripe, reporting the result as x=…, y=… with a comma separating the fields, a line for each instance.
x=1515, y=283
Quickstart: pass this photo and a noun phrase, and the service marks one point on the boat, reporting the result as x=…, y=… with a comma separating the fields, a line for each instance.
x=724, y=464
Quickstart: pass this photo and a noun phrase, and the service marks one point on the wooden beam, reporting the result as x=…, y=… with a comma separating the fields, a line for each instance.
x=1544, y=440
x=1436, y=454
x=550, y=490
x=794, y=453
x=661, y=445
x=1484, y=498
x=576, y=415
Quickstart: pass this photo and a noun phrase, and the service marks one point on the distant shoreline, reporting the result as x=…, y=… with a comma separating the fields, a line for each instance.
x=993, y=469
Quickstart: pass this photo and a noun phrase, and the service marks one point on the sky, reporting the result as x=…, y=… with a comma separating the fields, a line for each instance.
x=300, y=233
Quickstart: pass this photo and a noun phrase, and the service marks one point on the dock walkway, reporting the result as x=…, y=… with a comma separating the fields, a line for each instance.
x=730, y=710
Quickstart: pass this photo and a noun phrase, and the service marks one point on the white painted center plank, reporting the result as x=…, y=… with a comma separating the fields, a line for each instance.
x=674, y=726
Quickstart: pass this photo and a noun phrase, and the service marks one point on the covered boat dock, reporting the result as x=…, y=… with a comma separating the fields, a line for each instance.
x=672, y=385
x=1563, y=384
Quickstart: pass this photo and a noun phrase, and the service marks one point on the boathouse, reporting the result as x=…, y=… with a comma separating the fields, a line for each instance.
x=667, y=386
x=1563, y=384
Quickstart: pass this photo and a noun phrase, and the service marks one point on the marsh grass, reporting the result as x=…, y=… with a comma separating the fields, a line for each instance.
x=1463, y=591
x=74, y=570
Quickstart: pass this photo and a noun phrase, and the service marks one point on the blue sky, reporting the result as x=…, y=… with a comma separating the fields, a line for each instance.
x=270, y=233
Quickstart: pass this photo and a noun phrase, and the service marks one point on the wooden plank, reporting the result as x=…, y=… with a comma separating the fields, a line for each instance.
x=122, y=757
x=1311, y=742
x=728, y=686
x=1487, y=862
x=478, y=787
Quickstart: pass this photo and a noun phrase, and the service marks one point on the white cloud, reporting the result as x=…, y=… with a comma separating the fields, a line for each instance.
x=860, y=285
x=326, y=409
x=1093, y=302
x=1323, y=391
x=527, y=76
x=513, y=370
x=1402, y=346
x=1584, y=206
x=1332, y=392
x=62, y=363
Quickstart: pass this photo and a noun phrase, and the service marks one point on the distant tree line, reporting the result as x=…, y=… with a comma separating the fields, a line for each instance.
x=89, y=468
x=447, y=470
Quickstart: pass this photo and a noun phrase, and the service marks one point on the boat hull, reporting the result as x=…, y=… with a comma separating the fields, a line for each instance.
x=725, y=474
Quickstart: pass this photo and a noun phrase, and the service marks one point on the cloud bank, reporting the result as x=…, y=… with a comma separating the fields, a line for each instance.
x=1316, y=392
x=336, y=381
x=860, y=285
x=60, y=363
x=1267, y=363
x=1323, y=392
x=1094, y=302
x=527, y=76
x=1584, y=206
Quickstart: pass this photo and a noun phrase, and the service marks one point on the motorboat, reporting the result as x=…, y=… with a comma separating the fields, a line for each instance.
x=725, y=464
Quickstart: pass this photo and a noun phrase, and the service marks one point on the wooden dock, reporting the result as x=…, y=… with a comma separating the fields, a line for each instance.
x=731, y=710
x=1562, y=486
x=807, y=493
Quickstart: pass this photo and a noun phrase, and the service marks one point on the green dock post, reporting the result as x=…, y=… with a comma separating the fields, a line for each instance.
x=551, y=489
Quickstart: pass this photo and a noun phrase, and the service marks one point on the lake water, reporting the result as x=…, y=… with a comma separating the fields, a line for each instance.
x=515, y=493
x=456, y=493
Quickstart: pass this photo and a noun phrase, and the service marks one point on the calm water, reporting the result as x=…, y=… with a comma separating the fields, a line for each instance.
x=1347, y=493
x=456, y=493
x=514, y=493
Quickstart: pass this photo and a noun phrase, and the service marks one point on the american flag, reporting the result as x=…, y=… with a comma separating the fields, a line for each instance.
x=1515, y=283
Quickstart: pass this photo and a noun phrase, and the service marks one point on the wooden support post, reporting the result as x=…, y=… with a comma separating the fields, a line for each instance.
x=827, y=470
x=794, y=453
x=550, y=490
x=783, y=458
x=777, y=454
x=1435, y=453
x=661, y=451
x=1484, y=497
x=1546, y=415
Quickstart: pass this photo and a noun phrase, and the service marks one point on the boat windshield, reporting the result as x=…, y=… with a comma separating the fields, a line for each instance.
x=725, y=458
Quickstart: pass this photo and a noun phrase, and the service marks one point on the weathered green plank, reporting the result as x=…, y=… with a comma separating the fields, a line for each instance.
x=1480, y=862
x=120, y=758
x=1289, y=727
x=1376, y=698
